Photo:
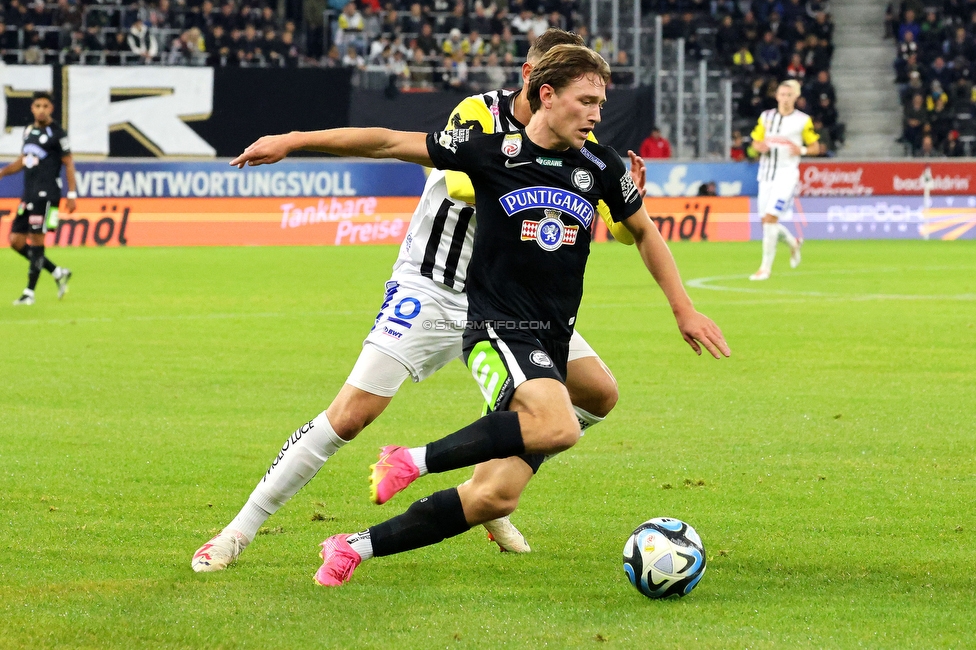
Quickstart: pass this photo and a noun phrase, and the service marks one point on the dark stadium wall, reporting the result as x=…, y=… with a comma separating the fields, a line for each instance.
x=627, y=116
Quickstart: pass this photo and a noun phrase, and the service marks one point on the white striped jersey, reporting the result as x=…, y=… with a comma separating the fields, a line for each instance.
x=779, y=131
x=439, y=240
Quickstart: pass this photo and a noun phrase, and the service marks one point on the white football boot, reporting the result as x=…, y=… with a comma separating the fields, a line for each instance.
x=26, y=298
x=504, y=533
x=795, y=253
x=220, y=552
x=759, y=275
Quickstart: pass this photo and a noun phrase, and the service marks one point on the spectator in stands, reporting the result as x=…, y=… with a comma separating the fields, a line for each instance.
x=743, y=62
x=333, y=58
x=769, y=57
x=737, y=152
x=727, y=40
x=827, y=147
x=271, y=46
x=822, y=86
x=952, y=148
x=421, y=72
x=141, y=42
x=915, y=117
x=655, y=146
x=473, y=45
x=935, y=95
x=115, y=45
x=426, y=42
x=250, y=52
x=481, y=22
x=494, y=72
x=453, y=43
x=458, y=19
x=927, y=149
x=622, y=74
x=349, y=28
x=33, y=53
x=890, y=21
x=750, y=29
x=930, y=34
x=186, y=48
x=414, y=21
x=909, y=26
x=352, y=59
x=941, y=120
x=217, y=45
x=795, y=69
x=707, y=189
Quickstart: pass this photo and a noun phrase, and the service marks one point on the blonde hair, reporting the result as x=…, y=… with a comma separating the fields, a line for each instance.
x=561, y=66
x=793, y=85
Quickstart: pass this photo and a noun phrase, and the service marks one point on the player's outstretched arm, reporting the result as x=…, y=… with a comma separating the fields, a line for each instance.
x=12, y=168
x=366, y=143
x=696, y=328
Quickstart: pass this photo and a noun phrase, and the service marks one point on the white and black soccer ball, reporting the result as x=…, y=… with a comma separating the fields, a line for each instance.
x=664, y=557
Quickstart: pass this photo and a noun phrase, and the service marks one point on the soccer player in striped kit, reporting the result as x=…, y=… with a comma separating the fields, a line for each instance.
x=783, y=135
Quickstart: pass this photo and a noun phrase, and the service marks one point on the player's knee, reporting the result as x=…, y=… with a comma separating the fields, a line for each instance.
x=347, y=420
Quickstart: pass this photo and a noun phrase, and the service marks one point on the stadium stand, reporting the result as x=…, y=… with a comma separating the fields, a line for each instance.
x=426, y=45
x=936, y=51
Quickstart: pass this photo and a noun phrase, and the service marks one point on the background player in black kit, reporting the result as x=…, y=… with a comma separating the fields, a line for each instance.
x=535, y=192
x=45, y=149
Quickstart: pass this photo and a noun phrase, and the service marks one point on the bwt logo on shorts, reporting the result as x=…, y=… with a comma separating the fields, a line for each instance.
x=530, y=198
x=550, y=233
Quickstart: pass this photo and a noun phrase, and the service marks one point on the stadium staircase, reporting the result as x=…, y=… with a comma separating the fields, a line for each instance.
x=862, y=71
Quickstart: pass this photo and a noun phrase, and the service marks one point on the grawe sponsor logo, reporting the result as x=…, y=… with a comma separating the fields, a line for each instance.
x=833, y=181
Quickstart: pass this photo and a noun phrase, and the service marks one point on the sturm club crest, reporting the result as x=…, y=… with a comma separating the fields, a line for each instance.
x=582, y=179
x=512, y=145
x=550, y=233
x=540, y=358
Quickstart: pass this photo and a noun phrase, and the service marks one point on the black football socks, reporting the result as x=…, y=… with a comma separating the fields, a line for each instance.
x=496, y=435
x=428, y=521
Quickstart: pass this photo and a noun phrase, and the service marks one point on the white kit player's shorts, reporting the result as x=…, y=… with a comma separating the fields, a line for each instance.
x=418, y=332
x=776, y=198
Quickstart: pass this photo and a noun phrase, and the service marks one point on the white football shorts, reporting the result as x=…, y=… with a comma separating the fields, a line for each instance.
x=418, y=332
x=776, y=198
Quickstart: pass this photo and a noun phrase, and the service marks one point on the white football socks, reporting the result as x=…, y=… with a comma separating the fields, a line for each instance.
x=300, y=458
x=586, y=419
x=770, y=236
x=786, y=236
x=362, y=544
x=419, y=456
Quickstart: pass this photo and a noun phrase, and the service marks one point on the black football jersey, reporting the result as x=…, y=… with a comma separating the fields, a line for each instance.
x=43, y=148
x=535, y=208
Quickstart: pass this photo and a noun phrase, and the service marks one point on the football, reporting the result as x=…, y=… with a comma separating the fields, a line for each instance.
x=664, y=557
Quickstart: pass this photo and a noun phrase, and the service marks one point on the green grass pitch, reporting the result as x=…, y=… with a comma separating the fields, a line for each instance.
x=828, y=465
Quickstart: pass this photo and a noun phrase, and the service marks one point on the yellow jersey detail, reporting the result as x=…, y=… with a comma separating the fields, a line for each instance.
x=809, y=135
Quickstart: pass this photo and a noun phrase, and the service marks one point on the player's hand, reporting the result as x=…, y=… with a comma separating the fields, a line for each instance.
x=638, y=172
x=761, y=146
x=265, y=151
x=71, y=205
x=794, y=149
x=699, y=330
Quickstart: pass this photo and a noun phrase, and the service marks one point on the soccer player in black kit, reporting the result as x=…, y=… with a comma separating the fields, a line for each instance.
x=45, y=149
x=534, y=192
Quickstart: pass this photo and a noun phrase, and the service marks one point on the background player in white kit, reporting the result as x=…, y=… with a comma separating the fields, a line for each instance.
x=782, y=136
x=412, y=337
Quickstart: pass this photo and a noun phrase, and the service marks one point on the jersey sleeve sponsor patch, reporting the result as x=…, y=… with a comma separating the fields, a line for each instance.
x=451, y=139
x=627, y=188
x=589, y=155
x=65, y=145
